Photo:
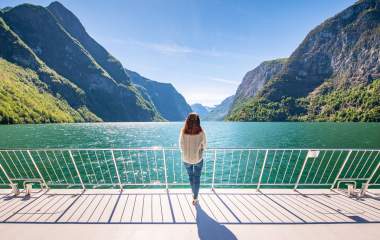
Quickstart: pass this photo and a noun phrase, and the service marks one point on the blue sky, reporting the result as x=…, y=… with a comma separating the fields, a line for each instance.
x=202, y=47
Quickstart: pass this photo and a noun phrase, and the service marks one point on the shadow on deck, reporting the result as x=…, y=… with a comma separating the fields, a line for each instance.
x=224, y=206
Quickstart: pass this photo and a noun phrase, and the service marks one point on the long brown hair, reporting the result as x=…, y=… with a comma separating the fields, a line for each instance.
x=192, y=124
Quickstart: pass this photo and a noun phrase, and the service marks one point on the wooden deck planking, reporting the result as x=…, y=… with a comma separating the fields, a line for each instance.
x=158, y=206
x=73, y=211
x=11, y=206
x=228, y=215
x=242, y=215
x=282, y=213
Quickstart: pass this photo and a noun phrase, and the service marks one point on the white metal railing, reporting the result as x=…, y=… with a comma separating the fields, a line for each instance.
x=162, y=167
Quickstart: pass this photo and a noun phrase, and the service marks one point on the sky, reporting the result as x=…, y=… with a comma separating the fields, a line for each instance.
x=203, y=47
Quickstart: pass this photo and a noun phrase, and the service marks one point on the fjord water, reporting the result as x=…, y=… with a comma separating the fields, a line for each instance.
x=165, y=134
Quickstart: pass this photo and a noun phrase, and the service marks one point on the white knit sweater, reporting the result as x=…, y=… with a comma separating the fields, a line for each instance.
x=192, y=146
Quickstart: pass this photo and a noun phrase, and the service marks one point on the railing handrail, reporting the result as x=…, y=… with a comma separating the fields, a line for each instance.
x=177, y=148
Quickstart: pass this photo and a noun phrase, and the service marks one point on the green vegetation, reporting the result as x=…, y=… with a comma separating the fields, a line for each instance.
x=360, y=103
x=261, y=110
x=25, y=99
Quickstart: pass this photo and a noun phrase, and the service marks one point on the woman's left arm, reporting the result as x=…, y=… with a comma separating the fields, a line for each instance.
x=180, y=140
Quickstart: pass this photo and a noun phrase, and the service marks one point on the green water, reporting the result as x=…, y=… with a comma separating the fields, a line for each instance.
x=219, y=134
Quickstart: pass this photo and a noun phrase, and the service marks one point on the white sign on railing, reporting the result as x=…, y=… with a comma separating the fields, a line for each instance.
x=312, y=154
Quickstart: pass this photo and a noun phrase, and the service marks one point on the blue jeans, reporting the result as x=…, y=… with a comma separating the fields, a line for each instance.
x=194, y=171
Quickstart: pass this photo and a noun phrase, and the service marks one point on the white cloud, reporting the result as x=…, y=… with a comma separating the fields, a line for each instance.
x=167, y=49
x=174, y=48
x=222, y=80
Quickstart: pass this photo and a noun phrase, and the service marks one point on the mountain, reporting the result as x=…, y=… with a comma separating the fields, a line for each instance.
x=200, y=109
x=16, y=56
x=105, y=97
x=75, y=28
x=73, y=68
x=220, y=111
x=168, y=102
x=331, y=76
x=254, y=80
x=164, y=97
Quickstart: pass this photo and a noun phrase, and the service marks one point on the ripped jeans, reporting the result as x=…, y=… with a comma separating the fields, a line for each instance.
x=194, y=171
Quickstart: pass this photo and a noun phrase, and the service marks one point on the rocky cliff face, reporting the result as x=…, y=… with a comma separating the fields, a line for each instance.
x=254, y=80
x=75, y=28
x=168, y=102
x=337, y=55
x=344, y=50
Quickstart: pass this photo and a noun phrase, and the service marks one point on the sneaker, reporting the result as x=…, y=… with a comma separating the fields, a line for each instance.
x=195, y=201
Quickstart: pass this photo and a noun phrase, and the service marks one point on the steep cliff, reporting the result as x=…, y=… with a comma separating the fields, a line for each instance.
x=341, y=53
x=254, y=80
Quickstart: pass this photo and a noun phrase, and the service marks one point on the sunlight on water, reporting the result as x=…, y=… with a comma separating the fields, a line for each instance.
x=219, y=134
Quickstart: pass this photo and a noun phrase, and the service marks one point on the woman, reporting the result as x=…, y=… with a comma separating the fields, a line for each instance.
x=192, y=140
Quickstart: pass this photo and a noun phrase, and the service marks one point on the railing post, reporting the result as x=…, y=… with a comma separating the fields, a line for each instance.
x=165, y=172
x=213, y=171
x=300, y=174
x=35, y=166
x=117, y=171
x=373, y=173
x=76, y=169
x=341, y=169
x=262, y=169
x=6, y=174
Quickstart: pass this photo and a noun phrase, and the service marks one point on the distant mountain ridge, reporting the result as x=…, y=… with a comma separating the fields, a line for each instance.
x=331, y=76
x=200, y=109
x=216, y=113
x=220, y=111
x=168, y=102
x=74, y=66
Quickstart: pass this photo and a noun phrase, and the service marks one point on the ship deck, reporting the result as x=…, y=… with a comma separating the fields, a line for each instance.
x=221, y=214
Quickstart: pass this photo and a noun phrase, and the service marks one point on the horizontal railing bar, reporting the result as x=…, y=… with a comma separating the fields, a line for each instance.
x=185, y=184
x=176, y=148
x=349, y=179
x=26, y=179
x=273, y=184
